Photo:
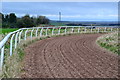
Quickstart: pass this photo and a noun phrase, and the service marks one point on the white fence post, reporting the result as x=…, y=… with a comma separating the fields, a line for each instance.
x=41, y=32
x=59, y=30
x=32, y=33
x=111, y=29
x=53, y=31
x=25, y=34
x=16, y=39
x=2, y=58
x=79, y=30
x=11, y=44
x=105, y=29
x=20, y=36
x=36, y=34
x=47, y=32
x=98, y=30
x=91, y=29
x=65, y=30
x=84, y=29
x=73, y=30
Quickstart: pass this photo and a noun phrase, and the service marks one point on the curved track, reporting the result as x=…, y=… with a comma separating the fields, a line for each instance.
x=76, y=56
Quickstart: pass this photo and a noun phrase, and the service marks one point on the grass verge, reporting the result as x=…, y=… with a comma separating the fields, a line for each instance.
x=110, y=42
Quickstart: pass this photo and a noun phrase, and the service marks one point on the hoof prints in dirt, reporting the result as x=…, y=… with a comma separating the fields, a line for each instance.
x=75, y=56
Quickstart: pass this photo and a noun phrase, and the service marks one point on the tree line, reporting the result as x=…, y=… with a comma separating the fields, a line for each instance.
x=12, y=21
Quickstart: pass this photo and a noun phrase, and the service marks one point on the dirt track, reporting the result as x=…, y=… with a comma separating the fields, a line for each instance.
x=76, y=56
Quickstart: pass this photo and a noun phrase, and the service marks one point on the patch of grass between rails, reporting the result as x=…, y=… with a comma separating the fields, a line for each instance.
x=110, y=42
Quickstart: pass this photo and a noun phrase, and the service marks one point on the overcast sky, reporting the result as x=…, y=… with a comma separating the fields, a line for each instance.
x=71, y=11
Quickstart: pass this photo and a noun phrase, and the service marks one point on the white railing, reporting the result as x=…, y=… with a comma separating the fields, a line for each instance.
x=22, y=34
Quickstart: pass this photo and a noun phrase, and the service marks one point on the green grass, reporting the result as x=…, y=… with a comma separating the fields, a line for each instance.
x=7, y=30
x=110, y=42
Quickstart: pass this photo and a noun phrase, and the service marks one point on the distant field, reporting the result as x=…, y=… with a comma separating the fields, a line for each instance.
x=58, y=23
x=6, y=30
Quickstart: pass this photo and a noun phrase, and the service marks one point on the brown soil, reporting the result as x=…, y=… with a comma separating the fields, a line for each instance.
x=76, y=56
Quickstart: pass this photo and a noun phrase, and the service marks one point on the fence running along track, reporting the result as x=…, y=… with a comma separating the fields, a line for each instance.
x=18, y=36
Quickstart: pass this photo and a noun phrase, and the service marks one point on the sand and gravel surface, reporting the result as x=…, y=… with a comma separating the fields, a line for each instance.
x=74, y=56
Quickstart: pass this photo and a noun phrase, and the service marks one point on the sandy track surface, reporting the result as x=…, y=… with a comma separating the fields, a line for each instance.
x=76, y=56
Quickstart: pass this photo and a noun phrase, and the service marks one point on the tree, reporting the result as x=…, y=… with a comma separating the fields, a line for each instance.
x=33, y=20
x=27, y=21
x=46, y=21
x=20, y=23
x=12, y=21
x=42, y=20
x=2, y=17
x=12, y=18
x=39, y=20
x=7, y=18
